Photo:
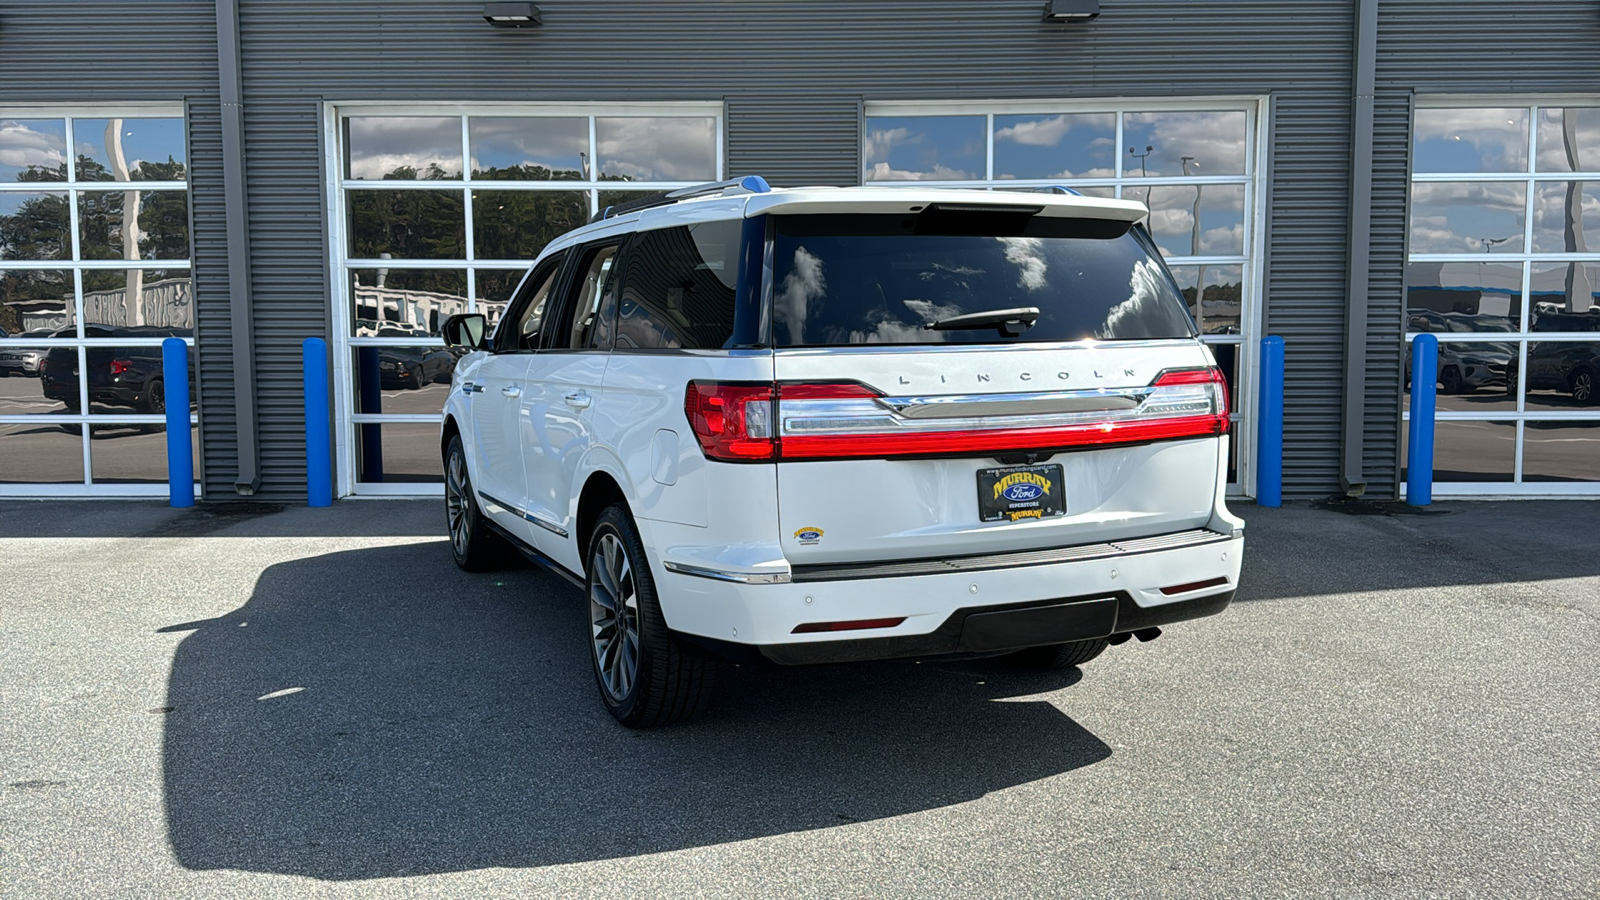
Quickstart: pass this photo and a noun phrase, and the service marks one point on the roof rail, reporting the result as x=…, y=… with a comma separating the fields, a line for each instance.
x=750, y=184
x=1061, y=189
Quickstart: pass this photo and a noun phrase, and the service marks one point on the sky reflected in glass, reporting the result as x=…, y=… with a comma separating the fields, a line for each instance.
x=150, y=149
x=1470, y=140
x=529, y=148
x=1213, y=141
x=1064, y=146
x=925, y=148
x=1467, y=217
x=1569, y=139
x=405, y=148
x=33, y=149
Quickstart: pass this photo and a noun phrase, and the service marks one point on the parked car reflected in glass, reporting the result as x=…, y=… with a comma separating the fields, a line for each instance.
x=126, y=378
x=22, y=360
x=414, y=367
x=1562, y=373
x=1465, y=368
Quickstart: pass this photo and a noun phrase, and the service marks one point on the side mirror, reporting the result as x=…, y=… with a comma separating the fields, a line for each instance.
x=464, y=332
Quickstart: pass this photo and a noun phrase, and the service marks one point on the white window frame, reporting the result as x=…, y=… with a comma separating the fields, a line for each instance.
x=75, y=264
x=346, y=483
x=1527, y=258
x=1252, y=261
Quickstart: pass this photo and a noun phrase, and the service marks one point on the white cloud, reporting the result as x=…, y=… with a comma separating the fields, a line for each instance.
x=657, y=148
x=21, y=146
x=1027, y=254
x=1036, y=132
x=804, y=283
x=881, y=141
x=882, y=172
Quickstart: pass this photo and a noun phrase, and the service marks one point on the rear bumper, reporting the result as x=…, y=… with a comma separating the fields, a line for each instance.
x=957, y=610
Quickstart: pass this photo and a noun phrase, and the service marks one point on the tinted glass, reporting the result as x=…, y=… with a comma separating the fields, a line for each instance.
x=517, y=224
x=408, y=380
x=35, y=303
x=1469, y=451
x=33, y=150
x=593, y=305
x=405, y=452
x=133, y=454
x=405, y=302
x=40, y=453
x=35, y=226
x=1561, y=451
x=161, y=219
x=1219, y=230
x=1219, y=292
x=130, y=149
x=924, y=148
x=1446, y=297
x=135, y=298
x=1156, y=144
x=529, y=148
x=1564, y=290
x=1470, y=140
x=531, y=309
x=678, y=291
x=1569, y=139
x=403, y=148
x=1065, y=146
x=1467, y=217
x=870, y=279
x=675, y=148
x=407, y=224
x=1562, y=375
x=1566, y=217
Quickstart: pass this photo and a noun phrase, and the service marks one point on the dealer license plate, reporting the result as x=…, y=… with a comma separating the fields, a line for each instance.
x=1021, y=492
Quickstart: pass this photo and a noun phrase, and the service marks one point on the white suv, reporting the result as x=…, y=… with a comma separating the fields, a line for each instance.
x=831, y=424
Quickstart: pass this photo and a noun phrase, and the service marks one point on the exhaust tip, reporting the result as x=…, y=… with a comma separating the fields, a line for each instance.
x=1146, y=635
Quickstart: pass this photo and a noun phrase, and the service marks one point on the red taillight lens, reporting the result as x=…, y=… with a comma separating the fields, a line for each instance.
x=120, y=366
x=732, y=421
x=1212, y=376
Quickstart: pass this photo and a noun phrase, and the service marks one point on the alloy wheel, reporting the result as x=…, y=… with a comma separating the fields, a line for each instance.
x=457, y=503
x=1583, y=387
x=614, y=617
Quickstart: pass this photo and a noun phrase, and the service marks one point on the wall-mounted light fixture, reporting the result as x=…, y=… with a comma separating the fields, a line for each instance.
x=1071, y=10
x=511, y=15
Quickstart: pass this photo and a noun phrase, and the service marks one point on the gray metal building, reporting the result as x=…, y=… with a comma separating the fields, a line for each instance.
x=1343, y=173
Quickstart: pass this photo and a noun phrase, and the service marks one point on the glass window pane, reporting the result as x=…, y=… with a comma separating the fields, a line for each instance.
x=403, y=380
x=33, y=150
x=405, y=302
x=134, y=453
x=406, y=452
x=1561, y=451
x=1566, y=217
x=1472, y=377
x=1219, y=231
x=402, y=148
x=529, y=148
x=1560, y=289
x=1066, y=146
x=1561, y=375
x=164, y=300
x=677, y=291
x=1470, y=140
x=925, y=148
x=1468, y=451
x=494, y=291
x=1467, y=217
x=128, y=379
x=130, y=149
x=36, y=303
x=1569, y=139
x=418, y=224
x=43, y=453
x=35, y=226
x=517, y=224
x=1190, y=143
x=677, y=148
x=1227, y=355
x=1463, y=296
x=617, y=198
x=159, y=219
x=54, y=392
x=1221, y=302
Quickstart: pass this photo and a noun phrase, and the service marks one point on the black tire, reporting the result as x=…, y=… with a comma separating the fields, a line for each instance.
x=416, y=377
x=647, y=677
x=1450, y=381
x=154, y=401
x=1511, y=382
x=1057, y=656
x=474, y=546
x=1582, y=384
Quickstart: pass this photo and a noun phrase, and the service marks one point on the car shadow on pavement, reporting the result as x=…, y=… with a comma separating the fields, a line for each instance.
x=378, y=713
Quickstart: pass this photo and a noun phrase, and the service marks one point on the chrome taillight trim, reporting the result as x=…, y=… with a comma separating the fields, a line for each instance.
x=973, y=405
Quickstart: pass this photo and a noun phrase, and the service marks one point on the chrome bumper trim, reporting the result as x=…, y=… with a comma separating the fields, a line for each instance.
x=723, y=575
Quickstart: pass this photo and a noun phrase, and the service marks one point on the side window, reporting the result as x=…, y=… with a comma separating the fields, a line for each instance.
x=524, y=316
x=594, y=302
x=678, y=291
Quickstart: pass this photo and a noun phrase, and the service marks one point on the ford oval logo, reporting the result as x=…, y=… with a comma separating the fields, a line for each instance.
x=808, y=535
x=1017, y=493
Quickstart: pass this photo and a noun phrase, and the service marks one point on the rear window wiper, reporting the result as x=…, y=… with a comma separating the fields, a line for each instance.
x=1009, y=322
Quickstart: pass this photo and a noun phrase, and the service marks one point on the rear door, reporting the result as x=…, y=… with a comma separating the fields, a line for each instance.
x=1069, y=403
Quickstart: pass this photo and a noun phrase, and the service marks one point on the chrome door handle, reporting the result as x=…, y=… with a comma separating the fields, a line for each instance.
x=511, y=391
x=580, y=400
x=468, y=387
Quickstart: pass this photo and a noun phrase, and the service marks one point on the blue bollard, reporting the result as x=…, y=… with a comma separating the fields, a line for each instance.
x=1419, y=443
x=319, y=462
x=1269, y=434
x=180, y=448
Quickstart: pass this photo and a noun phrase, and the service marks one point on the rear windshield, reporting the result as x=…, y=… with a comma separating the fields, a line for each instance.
x=840, y=280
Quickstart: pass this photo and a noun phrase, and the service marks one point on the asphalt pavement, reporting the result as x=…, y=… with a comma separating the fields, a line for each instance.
x=250, y=701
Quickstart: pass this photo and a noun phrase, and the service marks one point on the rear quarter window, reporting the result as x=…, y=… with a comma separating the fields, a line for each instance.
x=678, y=288
x=843, y=280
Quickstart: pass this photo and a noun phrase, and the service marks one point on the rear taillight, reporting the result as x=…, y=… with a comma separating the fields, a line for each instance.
x=743, y=422
x=120, y=366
